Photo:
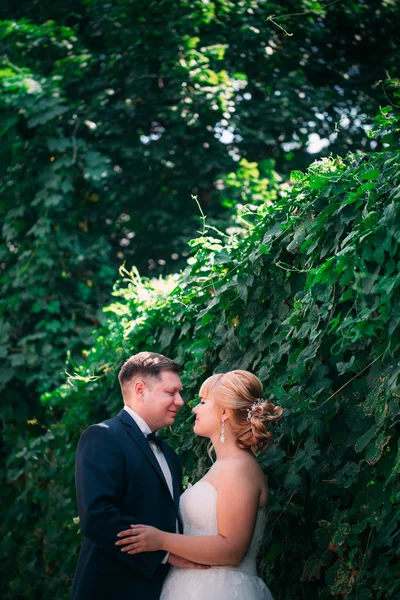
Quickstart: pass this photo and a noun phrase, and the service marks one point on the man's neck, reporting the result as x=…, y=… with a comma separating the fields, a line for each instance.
x=137, y=414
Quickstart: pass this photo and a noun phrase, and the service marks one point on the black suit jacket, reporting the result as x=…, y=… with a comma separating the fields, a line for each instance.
x=119, y=482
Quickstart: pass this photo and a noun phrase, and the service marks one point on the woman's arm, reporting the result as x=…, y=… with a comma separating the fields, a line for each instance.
x=237, y=504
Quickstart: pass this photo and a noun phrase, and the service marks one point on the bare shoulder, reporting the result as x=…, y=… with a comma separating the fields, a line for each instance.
x=240, y=471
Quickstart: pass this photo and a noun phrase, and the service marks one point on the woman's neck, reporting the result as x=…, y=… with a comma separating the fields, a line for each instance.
x=228, y=449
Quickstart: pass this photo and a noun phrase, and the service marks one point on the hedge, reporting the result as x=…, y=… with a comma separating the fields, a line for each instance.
x=304, y=292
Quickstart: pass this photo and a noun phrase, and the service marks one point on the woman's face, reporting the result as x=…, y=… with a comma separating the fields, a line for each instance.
x=208, y=418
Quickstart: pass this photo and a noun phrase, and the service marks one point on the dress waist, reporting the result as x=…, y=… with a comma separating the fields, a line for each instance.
x=247, y=565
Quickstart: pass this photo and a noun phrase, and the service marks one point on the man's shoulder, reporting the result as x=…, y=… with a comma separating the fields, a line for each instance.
x=104, y=428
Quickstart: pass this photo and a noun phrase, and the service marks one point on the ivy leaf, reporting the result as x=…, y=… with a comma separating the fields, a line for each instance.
x=200, y=347
x=292, y=481
x=265, y=249
x=365, y=439
x=376, y=447
x=165, y=338
x=317, y=182
x=372, y=174
x=297, y=176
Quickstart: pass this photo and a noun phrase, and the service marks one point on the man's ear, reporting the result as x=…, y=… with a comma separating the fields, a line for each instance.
x=139, y=388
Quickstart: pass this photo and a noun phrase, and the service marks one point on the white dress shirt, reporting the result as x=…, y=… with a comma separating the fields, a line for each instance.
x=158, y=453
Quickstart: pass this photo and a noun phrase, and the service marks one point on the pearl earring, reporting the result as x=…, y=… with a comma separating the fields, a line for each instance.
x=222, y=438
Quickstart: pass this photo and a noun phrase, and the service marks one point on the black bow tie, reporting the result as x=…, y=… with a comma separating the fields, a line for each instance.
x=156, y=439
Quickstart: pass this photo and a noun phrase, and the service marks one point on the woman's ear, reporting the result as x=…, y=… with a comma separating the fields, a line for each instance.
x=225, y=414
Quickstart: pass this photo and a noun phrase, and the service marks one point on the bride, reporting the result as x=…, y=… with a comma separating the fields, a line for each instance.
x=224, y=513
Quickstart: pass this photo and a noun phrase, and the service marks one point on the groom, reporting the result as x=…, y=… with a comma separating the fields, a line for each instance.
x=125, y=475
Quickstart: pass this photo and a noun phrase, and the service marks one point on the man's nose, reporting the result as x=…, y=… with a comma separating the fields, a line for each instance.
x=179, y=401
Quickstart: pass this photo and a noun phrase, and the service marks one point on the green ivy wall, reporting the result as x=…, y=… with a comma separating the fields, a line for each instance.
x=305, y=292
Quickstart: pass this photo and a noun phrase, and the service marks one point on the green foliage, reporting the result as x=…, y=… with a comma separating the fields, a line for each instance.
x=306, y=297
x=113, y=114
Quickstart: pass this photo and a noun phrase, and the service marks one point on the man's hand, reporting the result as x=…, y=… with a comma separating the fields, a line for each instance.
x=177, y=561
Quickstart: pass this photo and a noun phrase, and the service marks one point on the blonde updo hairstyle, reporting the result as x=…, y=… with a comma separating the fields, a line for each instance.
x=237, y=391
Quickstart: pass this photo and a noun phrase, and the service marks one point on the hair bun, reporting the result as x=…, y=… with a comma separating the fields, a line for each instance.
x=259, y=438
x=266, y=410
x=256, y=404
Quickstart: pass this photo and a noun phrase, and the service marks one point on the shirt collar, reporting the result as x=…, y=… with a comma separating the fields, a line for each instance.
x=141, y=423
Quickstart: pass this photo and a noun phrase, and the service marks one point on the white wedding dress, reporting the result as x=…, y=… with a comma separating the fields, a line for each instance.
x=198, y=507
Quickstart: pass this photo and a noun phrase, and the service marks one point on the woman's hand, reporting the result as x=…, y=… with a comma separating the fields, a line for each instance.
x=141, y=538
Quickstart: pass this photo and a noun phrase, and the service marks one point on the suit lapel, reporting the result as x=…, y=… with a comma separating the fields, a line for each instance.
x=133, y=430
x=175, y=483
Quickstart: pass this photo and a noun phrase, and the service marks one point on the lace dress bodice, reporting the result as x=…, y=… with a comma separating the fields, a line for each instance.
x=198, y=508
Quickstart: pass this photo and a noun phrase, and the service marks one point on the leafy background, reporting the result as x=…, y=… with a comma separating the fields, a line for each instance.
x=112, y=116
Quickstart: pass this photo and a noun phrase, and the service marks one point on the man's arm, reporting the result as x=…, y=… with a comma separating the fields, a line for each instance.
x=99, y=486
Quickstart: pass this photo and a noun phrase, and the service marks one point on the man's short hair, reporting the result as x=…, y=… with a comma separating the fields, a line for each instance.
x=146, y=364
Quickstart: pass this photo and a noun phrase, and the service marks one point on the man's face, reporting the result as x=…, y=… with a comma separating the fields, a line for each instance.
x=162, y=400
